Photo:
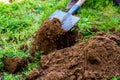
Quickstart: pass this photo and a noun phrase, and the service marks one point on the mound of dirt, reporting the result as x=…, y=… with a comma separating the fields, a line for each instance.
x=97, y=58
x=14, y=64
x=50, y=36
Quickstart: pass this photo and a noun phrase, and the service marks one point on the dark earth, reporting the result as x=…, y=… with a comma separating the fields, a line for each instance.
x=14, y=64
x=50, y=37
x=94, y=59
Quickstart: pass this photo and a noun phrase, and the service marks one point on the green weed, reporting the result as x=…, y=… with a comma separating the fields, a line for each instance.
x=115, y=78
x=8, y=76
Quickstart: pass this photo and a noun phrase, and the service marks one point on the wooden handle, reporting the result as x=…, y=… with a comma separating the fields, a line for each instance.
x=80, y=2
x=76, y=6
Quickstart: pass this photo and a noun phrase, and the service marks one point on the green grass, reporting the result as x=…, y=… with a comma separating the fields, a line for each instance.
x=115, y=78
x=19, y=21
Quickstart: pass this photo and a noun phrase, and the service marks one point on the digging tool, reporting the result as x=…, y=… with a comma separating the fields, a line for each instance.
x=67, y=19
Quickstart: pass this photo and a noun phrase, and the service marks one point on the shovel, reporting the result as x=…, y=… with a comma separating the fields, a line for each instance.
x=66, y=18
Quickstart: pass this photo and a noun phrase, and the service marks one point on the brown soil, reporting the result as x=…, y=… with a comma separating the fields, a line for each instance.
x=117, y=33
x=50, y=36
x=95, y=59
x=94, y=29
x=23, y=47
x=14, y=64
x=10, y=1
x=112, y=29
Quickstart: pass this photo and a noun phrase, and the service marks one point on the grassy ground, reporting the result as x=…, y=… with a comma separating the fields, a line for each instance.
x=19, y=21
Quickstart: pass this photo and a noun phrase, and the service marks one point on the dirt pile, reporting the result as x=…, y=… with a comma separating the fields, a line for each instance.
x=14, y=64
x=50, y=36
x=97, y=58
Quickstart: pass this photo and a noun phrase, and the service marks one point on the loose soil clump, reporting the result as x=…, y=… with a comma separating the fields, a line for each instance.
x=94, y=29
x=23, y=47
x=97, y=58
x=14, y=64
x=50, y=36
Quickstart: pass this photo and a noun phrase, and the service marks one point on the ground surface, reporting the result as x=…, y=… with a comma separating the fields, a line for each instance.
x=23, y=25
x=97, y=58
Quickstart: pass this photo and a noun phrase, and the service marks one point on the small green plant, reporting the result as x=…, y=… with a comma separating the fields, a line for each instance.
x=12, y=77
x=1, y=65
x=30, y=67
x=115, y=78
x=4, y=53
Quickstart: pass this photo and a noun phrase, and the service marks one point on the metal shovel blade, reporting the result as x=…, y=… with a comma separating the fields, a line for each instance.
x=68, y=23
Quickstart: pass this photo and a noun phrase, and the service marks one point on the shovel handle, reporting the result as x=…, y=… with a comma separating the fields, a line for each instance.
x=80, y=2
x=76, y=6
x=73, y=9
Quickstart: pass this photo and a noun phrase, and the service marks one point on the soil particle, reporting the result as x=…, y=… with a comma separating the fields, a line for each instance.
x=114, y=37
x=50, y=37
x=34, y=74
x=94, y=29
x=94, y=59
x=117, y=40
x=14, y=64
x=112, y=29
x=23, y=47
x=10, y=1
